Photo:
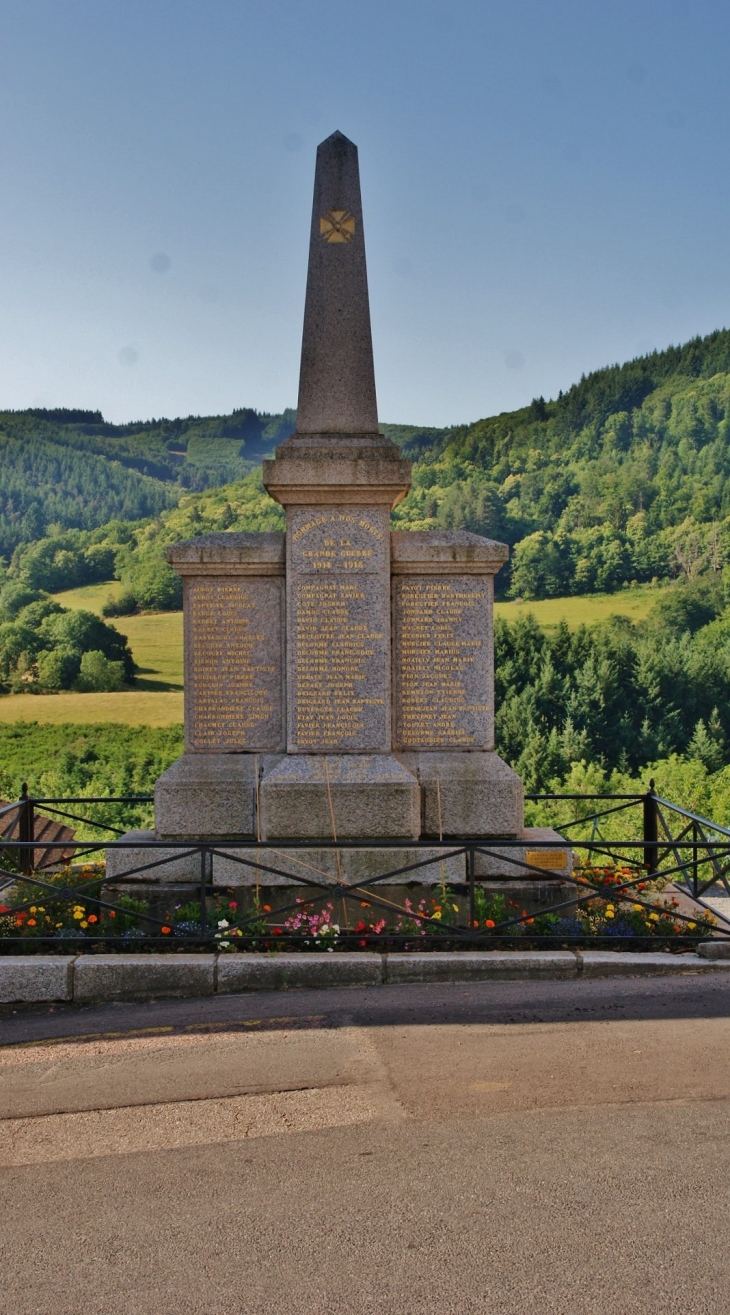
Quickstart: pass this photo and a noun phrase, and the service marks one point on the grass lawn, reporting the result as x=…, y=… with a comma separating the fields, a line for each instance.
x=588, y=609
x=91, y=597
x=132, y=708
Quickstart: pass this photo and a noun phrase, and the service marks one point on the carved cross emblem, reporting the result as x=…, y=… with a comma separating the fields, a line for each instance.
x=337, y=226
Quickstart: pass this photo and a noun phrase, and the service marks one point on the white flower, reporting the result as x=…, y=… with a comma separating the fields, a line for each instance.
x=223, y=923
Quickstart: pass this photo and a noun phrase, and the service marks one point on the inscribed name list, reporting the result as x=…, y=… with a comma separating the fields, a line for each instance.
x=442, y=661
x=234, y=668
x=338, y=637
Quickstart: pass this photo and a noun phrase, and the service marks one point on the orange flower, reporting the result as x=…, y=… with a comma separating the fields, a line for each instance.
x=112, y=914
x=93, y=917
x=267, y=908
x=165, y=930
x=489, y=922
x=31, y=922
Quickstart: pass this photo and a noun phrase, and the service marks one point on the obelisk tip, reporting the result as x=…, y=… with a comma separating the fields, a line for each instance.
x=337, y=380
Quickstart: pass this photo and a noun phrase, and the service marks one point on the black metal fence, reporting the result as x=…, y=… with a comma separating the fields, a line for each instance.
x=614, y=893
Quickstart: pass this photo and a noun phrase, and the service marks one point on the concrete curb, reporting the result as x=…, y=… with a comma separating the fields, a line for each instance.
x=136, y=976
x=490, y=965
x=273, y=972
x=94, y=978
x=714, y=949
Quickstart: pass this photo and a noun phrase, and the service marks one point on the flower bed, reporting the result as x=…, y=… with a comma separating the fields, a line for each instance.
x=77, y=919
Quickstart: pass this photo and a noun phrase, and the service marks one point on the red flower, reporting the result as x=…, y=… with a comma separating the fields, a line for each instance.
x=277, y=931
x=165, y=930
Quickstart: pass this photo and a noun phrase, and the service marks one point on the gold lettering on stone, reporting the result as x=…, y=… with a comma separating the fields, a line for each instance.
x=338, y=641
x=548, y=859
x=234, y=650
x=442, y=667
x=333, y=647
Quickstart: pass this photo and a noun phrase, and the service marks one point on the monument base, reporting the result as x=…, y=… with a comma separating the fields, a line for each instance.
x=497, y=867
x=467, y=794
x=339, y=797
x=207, y=796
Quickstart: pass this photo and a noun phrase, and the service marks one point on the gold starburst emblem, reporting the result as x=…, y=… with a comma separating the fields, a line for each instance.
x=337, y=226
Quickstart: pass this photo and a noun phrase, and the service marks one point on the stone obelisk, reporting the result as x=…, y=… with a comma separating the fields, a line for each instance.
x=338, y=478
x=339, y=679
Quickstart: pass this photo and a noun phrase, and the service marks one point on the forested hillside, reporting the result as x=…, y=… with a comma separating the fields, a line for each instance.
x=69, y=469
x=622, y=479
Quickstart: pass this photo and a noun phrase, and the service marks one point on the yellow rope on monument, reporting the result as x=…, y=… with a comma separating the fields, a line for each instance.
x=338, y=859
x=258, y=822
x=441, y=837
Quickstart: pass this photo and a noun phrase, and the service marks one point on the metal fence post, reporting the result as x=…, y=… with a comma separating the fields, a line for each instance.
x=26, y=829
x=651, y=828
x=470, y=868
x=203, y=892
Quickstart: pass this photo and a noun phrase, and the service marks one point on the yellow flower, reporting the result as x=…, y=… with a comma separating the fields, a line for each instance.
x=58, y=925
x=437, y=914
x=455, y=907
x=637, y=908
x=691, y=926
x=83, y=924
x=32, y=908
x=610, y=913
x=653, y=917
x=78, y=913
x=41, y=908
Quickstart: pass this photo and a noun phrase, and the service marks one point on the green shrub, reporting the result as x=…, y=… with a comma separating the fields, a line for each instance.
x=98, y=674
x=58, y=668
x=124, y=605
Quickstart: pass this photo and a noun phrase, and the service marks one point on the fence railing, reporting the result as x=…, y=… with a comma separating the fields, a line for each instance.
x=647, y=890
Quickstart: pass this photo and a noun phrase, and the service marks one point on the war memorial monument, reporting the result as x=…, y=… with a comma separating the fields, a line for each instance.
x=339, y=678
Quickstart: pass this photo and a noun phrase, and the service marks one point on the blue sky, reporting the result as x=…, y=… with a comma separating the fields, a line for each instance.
x=545, y=185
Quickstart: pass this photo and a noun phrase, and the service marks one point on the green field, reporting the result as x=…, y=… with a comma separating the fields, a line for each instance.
x=132, y=708
x=156, y=642
x=155, y=638
x=586, y=609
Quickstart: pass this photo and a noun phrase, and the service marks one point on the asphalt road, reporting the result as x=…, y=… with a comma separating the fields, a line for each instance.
x=501, y=1147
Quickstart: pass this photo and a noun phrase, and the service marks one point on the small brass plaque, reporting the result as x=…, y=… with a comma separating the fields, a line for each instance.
x=337, y=226
x=547, y=859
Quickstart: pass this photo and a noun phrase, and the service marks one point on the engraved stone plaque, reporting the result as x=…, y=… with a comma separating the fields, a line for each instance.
x=234, y=698
x=443, y=672
x=338, y=629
